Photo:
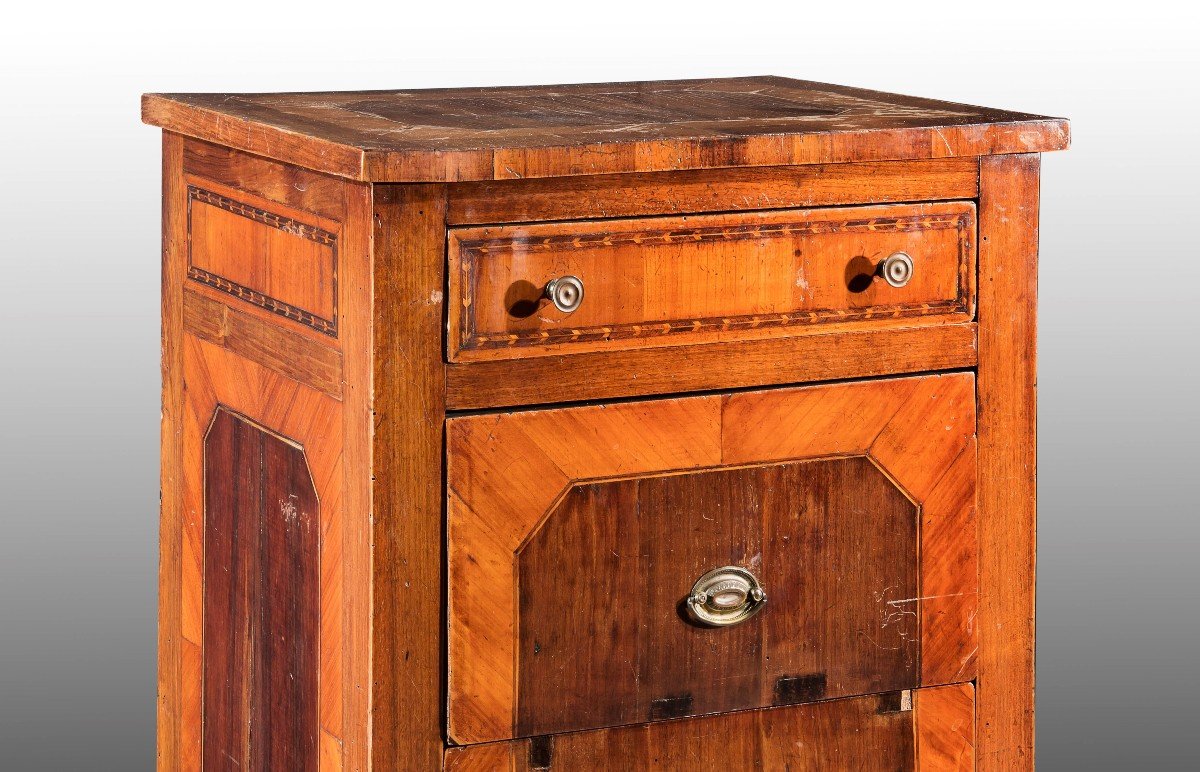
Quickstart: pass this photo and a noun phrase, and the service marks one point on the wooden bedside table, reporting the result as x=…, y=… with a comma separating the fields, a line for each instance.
x=681, y=425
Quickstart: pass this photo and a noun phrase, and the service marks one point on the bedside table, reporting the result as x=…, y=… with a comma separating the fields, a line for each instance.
x=661, y=425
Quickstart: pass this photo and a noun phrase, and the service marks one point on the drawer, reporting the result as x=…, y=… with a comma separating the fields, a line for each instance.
x=661, y=280
x=929, y=730
x=580, y=539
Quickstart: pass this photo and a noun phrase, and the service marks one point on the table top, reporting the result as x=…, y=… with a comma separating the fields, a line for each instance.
x=447, y=135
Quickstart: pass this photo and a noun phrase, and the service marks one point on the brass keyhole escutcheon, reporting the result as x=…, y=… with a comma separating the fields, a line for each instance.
x=725, y=596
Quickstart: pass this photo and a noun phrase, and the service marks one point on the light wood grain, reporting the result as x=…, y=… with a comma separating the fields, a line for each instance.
x=709, y=366
x=284, y=350
x=945, y=728
x=264, y=254
x=1007, y=459
x=716, y=277
x=172, y=732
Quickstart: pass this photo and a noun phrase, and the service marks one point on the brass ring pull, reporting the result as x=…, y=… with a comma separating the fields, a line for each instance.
x=725, y=596
x=565, y=292
x=896, y=269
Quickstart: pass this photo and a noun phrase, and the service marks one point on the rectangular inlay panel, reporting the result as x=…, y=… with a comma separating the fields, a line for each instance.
x=280, y=263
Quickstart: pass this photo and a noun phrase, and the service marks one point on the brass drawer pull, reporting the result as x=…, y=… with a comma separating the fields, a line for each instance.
x=725, y=596
x=896, y=269
x=565, y=292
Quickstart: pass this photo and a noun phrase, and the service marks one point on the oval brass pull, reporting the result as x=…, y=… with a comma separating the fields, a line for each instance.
x=565, y=292
x=896, y=269
x=725, y=596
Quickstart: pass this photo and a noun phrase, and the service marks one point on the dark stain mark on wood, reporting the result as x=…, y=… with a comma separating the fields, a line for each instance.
x=895, y=702
x=541, y=752
x=261, y=600
x=804, y=688
x=671, y=707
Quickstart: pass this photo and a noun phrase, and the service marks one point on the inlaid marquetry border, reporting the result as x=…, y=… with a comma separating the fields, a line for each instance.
x=473, y=250
x=252, y=296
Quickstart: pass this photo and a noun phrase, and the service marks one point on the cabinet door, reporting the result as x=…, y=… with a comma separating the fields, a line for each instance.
x=579, y=540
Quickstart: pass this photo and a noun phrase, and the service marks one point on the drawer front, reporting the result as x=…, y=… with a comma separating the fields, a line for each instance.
x=930, y=730
x=579, y=537
x=660, y=280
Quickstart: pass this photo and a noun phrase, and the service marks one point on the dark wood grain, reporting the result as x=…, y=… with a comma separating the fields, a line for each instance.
x=711, y=190
x=834, y=542
x=1008, y=252
x=708, y=366
x=447, y=135
x=925, y=730
x=262, y=601
x=407, y=624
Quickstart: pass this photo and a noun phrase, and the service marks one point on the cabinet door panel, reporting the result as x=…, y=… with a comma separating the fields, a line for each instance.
x=567, y=586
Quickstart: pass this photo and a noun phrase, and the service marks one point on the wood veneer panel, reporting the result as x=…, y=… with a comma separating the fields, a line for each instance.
x=407, y=629
x=713, y=190
x=945, y=728
x=509, y=473
x=1007, y=459
x=709, y=366
x=926, y=730
x=261, y=604
x=283, y=350
x=834, y=535
x=706, y=277
x=447, y=135
x=278, y=262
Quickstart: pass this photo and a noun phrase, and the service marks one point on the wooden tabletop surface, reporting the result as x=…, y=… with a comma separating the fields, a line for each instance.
x=445, y=135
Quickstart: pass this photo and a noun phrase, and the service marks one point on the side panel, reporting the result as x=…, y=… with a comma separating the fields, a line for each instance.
x=265, y=580
x=1008, y=231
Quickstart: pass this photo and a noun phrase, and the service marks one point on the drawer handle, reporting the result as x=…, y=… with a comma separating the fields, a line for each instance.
x=565, y=292
x=725, y=596
x=896, y=269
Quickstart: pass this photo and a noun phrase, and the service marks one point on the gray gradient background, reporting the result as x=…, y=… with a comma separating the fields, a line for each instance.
x=1118, y=637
